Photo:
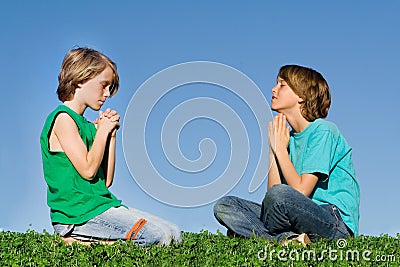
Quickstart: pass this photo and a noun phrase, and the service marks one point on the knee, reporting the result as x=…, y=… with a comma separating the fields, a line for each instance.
x=277, y=193
x=223, y=205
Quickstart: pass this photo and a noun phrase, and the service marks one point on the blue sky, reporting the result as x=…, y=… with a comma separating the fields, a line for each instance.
x=353, y=44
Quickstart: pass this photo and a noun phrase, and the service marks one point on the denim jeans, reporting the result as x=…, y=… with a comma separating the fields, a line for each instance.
x=123, y=223
x=283, y=214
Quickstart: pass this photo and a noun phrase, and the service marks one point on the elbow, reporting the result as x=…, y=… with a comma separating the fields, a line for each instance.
x=108, y=183
x=272, y=182
x=88, y=174
x=109, y=180
x=270, y=185
x=304, y=192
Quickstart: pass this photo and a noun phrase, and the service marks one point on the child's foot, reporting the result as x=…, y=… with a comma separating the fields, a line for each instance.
x=69, y=240
x=230, y=233
x=303, y=239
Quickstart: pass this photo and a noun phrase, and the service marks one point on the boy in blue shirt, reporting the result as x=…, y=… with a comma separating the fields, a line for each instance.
x=312, y=189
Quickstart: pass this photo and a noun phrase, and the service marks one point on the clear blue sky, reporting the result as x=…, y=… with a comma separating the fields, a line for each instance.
x=355, y=45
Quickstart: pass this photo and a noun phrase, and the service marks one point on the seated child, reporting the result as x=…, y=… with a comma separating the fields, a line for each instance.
x=312, y=188
x=79, y=160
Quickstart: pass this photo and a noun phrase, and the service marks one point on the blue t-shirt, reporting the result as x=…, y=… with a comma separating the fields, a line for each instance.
x=321, y=149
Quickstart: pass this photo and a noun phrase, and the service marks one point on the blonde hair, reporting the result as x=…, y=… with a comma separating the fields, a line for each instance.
x=311, y=86
x=82, y=64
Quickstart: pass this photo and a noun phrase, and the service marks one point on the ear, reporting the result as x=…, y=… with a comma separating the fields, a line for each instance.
x=301, y=101
x=78, y=88
x=81, y=83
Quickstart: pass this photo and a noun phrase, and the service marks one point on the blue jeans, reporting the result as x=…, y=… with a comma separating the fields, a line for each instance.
x=284, y=213
x=126, y=224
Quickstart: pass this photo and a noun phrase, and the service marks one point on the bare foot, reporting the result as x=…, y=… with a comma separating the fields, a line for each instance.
x=302, y=239
x=69, y=240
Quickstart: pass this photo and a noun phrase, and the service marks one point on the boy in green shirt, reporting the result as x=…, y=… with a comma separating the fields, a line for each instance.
x=79, y=160
x=312, y=189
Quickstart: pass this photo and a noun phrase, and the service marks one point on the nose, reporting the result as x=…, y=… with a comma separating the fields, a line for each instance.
x=107, y=92
x=274, y=88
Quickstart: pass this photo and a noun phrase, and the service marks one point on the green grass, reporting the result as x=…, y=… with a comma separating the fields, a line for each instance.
x=203, y=249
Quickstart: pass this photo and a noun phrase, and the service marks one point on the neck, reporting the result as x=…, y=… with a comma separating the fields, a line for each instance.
x=80, y=109
x=297, y=122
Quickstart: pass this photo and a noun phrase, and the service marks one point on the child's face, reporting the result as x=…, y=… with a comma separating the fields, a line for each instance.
x=284, y=99
x=94, y=92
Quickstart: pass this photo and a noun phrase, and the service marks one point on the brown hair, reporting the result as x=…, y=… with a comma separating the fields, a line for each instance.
x=81, y=64
x=311, y=86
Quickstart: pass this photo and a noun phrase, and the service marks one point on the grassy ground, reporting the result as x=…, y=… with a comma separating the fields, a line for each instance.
x=204, y=249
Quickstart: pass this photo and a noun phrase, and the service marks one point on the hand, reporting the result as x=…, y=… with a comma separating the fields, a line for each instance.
x=278, y=134
x=114, y=116
x=110, y=120
x=111, y=114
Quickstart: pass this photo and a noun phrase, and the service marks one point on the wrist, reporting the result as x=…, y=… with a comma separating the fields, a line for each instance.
x=113, y=133
x=281, y=152
x=271, y=155
x=102, y=133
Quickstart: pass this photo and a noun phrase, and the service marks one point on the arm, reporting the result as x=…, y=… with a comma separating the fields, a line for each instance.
x=85, y=162
x=304, y=183
x=273, y=174
x=109, y=156
x=109, y=160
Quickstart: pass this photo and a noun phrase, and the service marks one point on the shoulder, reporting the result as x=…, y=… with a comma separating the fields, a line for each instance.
x=326, y=131
x=54, y=114
x=324, y=126
x=51, y=118
x=62, y=120
x=319, y=131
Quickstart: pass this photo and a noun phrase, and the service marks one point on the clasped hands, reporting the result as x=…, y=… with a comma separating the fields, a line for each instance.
x=108, y=120
x=278, y=134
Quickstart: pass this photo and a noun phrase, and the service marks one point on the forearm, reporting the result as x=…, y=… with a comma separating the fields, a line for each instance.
x=95, y=155
x=273, y=174
x=290, y=174
x=109, y=163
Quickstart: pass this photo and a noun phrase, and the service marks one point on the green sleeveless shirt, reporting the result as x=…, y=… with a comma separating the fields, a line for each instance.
x=71, y=198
